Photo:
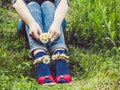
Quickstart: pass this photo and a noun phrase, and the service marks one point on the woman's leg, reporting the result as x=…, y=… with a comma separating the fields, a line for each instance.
x=35, y=11
x=38, y=49
x=48, y=9
x=58, y=46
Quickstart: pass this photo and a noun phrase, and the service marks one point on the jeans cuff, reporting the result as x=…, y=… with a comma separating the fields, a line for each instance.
x=37, y=47
x=58, y=46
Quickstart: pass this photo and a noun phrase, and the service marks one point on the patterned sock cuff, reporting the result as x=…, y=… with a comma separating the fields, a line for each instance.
x=59, y=51
x=39, y=54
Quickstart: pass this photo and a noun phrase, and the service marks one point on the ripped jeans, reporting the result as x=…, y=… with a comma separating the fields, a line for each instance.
x=44, y=16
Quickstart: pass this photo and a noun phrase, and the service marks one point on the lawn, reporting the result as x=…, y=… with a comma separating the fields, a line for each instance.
x=91, y=69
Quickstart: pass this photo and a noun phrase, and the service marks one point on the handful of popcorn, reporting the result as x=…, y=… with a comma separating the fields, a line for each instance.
x=45, y=37
x=59, y=56
x=45, y=59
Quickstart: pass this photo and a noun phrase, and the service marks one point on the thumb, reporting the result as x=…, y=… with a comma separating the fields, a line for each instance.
x=36, y=36
x=30, y=33
x=50, y=30
x=39, y=31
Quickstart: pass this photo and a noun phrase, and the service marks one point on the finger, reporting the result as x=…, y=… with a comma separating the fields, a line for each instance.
x=49, y=31
x=56, y=36
x=36, y=36
x=52, y=34
x=39, y=31
x=30, y=33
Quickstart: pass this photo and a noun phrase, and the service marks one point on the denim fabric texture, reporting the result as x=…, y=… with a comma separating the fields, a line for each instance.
x=44, y=16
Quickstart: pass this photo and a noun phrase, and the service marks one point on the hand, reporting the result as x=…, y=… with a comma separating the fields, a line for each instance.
x=35, y=31
x=54, y=31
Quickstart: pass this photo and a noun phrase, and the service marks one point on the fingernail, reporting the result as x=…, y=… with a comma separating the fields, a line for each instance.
x=52, y=39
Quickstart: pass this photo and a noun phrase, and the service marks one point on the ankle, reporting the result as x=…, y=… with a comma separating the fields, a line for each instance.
x=60, y=51
x=37, y=51
x=39, y=54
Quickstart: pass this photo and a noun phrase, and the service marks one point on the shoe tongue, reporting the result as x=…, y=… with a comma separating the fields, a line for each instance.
x=47, y=80
x=62, y=80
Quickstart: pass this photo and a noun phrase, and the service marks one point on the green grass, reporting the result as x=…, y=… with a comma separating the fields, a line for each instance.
x=94, y=23
x=91, y=69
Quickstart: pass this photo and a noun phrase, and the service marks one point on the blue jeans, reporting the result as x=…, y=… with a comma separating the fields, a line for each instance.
x=44, y=16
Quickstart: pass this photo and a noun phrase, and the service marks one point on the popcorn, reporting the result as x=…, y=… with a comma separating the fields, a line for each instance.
x=44, y=59
x=45, y=37
x=55, y=56
x=37, y=60
x=65, y=56
x=59, y=56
